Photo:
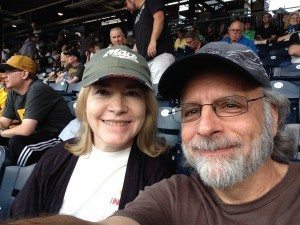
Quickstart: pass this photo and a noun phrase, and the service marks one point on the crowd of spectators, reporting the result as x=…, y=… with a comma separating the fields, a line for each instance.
x=66, y=59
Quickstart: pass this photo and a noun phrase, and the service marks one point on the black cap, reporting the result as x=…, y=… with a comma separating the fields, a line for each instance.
x=215, y=54
x=73, y=52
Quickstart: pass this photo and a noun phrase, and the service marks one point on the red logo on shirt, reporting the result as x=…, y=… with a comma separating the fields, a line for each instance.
x=114, y=201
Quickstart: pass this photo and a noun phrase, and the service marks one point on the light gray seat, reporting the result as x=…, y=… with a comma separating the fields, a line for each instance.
x=168, y=128
x=294, y=130
x=13, y=180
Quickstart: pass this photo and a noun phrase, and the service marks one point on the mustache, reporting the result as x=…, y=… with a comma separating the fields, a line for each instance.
x=213, y=143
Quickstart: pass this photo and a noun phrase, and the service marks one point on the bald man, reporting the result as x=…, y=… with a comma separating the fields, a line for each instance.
x=235, y=32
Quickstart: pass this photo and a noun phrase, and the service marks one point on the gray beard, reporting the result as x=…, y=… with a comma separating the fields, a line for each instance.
x=223, y=172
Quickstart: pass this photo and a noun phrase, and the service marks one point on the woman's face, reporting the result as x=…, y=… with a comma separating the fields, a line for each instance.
x=116, y=112
x=294, y=19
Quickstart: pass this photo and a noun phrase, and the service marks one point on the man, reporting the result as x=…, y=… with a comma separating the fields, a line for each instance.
x=117, y=36
x=74, y=71
x=29, y=47
x=192, y=40
x=151, y=34
x=42, y=112
x=93, y=47
x=235, y=32
x=233, y=135
x=267, y=32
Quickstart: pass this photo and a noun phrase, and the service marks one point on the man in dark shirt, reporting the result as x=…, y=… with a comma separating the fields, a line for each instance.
x=266, y=32
x=42, y=112
x=74, y=70
x=152, y=37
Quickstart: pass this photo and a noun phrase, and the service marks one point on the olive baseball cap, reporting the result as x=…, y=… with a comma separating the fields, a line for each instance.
x=116, y=61
x=20, y=62
x=236, y=57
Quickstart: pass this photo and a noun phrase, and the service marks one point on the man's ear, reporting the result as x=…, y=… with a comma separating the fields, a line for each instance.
x=25, y=74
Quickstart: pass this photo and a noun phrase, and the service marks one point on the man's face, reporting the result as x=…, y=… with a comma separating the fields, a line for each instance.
x=131, y=6
x=116, y=37
x=13, y=79
x=226, y=150
x=192, y=43
x=71, y=59
x=235, y=31
x=266, y=18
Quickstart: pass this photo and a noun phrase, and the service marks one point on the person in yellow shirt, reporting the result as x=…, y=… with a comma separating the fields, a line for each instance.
x=3, y=94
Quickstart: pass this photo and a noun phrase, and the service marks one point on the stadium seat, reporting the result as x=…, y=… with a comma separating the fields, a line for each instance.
x=290, y=90
x=168, y=128
x=294, y=130
x=74, y=88
x=71, y=106
x=292, y=70
x=59, y=87
x=13, y=180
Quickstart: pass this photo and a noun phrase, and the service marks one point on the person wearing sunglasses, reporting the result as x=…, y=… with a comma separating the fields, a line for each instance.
x=233, y=135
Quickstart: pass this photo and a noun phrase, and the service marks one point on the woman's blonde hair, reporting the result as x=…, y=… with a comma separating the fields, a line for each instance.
x=146, y=138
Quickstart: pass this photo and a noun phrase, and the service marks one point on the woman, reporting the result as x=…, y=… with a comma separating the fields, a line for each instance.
x=293, y=26
x=113, y=156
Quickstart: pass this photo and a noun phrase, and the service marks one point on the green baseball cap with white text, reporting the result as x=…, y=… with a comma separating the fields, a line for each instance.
x=117, y=61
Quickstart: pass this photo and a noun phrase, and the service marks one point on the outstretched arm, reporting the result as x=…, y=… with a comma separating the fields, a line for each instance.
x=70, y=220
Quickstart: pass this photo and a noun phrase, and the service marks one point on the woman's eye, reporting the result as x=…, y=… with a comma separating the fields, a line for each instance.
x=133, y=94
x=102, y=92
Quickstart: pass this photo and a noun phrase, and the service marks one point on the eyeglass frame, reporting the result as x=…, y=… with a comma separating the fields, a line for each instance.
x=173, y=112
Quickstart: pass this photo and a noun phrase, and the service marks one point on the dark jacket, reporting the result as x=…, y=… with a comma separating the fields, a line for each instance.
x=44, y=191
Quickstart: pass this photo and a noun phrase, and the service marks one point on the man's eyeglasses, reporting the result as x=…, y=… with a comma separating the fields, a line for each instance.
x=223, y=107
x=235, y=30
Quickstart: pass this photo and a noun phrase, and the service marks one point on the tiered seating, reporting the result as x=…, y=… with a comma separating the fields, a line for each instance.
x=13, y=180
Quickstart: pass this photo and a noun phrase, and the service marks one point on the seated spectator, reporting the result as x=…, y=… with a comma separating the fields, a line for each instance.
x=233, y=135
x=294, y=48
x=53, y=75
x=267, y=32
x=3, y=93
x=235, y=31
x=294, y=26
x=248, y=32
x=180, y=41
x=42, y=111
x=115, y=154
x=74, y=70
x=5, y=54
x=223, y=31
x=93, y=47
x=210, y=35
x=117, y=36
x=192, y=40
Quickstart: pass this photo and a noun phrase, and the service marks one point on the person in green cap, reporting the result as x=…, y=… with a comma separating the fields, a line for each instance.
x=115, y=153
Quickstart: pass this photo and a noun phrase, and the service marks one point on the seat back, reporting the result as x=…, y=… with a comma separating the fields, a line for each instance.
x=294, y=130
x=71, y=106
x=74, y=88
x=13, y=180
x=59, y=87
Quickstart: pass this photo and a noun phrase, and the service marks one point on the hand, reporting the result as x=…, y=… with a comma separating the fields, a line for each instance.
x=152, y=49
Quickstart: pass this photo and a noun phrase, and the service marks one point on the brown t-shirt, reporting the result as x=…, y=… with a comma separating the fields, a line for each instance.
x=183, y=200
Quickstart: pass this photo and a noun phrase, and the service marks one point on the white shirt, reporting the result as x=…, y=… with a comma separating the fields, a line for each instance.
x=95, y=187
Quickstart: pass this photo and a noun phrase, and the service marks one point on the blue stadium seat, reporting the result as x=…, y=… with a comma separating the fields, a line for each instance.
x=13, y=180
x=59, y=87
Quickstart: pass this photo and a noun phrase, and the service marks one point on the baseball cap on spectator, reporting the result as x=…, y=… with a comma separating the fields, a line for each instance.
x=117, y=61
x=234, y=57
x=73, y=52
x=20, y=62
